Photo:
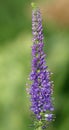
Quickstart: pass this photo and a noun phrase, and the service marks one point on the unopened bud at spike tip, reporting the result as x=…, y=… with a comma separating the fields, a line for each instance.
x=33, y=5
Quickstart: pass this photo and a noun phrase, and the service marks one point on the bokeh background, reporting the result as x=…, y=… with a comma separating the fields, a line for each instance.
x=15, y=60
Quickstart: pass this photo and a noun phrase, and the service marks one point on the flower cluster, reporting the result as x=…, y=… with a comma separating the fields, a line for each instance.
x=41, y=87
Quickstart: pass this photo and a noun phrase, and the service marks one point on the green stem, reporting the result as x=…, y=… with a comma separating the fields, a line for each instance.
x=39, y=128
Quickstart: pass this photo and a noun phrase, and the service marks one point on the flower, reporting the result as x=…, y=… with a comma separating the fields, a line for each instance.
x=41, y=90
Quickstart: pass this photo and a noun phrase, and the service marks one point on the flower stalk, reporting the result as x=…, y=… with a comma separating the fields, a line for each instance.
x=41, y=87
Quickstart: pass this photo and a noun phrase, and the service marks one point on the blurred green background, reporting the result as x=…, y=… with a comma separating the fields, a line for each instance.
x=15, y=60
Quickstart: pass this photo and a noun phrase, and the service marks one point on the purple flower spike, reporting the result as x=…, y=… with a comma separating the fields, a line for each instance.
x=41, y=87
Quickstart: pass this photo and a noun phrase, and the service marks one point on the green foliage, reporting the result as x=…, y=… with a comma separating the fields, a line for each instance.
x=12, y=18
